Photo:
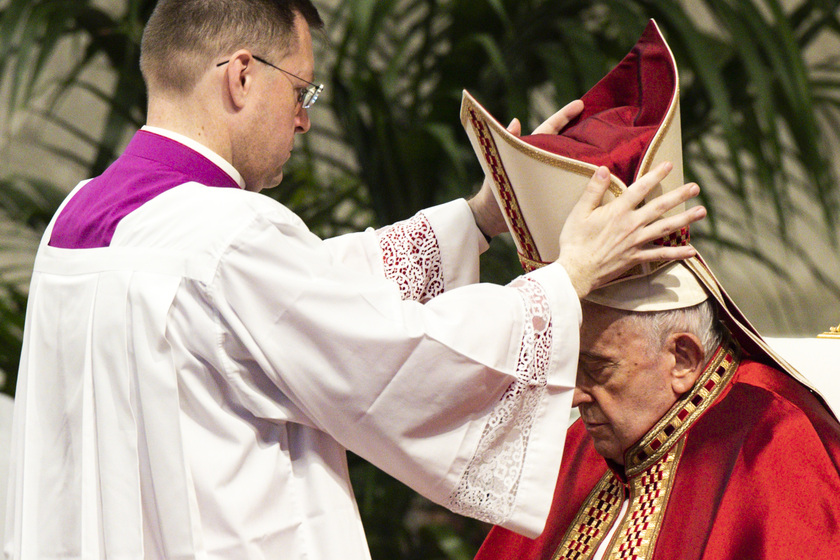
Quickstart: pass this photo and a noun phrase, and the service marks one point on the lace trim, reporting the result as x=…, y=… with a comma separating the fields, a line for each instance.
x=488, y=488
x=411, y=256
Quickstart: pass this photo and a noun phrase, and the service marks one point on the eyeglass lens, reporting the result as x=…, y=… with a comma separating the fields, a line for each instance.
x=309, y=95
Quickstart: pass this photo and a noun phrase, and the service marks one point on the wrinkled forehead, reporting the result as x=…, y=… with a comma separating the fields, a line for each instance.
x=603, y=325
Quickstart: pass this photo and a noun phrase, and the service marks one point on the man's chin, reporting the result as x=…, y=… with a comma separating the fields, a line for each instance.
x=606, y=448
x=276, y=181
x=268, y=184
x=611, y=456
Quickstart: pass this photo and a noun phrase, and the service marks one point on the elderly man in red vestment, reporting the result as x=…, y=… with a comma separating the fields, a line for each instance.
x=696, y=440
x=690, y=444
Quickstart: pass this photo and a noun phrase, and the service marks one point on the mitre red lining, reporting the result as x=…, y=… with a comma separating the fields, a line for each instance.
x=622, y=112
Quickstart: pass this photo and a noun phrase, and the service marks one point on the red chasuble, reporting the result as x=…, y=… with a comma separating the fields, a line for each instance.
x=745, y=466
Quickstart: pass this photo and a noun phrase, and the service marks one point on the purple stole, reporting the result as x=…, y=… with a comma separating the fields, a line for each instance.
x=150, y=165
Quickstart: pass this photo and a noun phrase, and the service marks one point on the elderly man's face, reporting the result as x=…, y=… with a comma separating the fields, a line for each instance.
x=623, y=386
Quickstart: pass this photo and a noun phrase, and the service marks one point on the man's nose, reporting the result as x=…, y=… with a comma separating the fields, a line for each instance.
x=580, y=397
x=302, y=123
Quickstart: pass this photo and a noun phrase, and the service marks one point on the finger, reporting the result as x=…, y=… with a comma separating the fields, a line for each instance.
x=662, y=204
x=666, y=226
x=593, y=194
x=561, y=118
x=515, y=127
x=637, y=192
x=657, y=253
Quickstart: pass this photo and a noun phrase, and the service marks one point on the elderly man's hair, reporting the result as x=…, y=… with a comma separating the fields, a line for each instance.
x=700, y=320
x=183, y=38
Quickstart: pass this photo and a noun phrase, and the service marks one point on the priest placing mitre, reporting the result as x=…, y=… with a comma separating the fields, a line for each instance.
x=697, y=438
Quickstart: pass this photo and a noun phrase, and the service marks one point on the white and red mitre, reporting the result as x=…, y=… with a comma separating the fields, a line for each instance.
x=630, y=123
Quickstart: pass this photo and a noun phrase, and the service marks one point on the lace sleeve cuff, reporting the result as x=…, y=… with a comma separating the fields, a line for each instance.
x=412, y=259
x=488, y=488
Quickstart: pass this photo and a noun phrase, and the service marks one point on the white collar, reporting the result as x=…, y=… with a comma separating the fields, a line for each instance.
x=221, y=162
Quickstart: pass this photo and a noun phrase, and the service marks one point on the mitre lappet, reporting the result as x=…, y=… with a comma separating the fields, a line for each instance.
x=630, y=123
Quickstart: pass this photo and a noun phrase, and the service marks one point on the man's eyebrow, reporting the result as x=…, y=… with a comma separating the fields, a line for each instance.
x=597, y=358
x=592, y=355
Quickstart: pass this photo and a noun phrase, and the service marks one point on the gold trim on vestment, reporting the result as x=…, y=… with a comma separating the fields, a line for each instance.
x=593, y=521
x=649, y=492
x=685, y=411
x=636, y=535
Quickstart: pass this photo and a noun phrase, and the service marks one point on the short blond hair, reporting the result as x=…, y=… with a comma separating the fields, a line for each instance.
x=183, y=38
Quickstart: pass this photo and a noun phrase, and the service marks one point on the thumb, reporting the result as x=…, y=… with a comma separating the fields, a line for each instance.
x=593, y=194
x=515, y=127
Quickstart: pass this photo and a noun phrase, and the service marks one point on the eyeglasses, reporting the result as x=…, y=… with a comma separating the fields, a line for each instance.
x=308, y=95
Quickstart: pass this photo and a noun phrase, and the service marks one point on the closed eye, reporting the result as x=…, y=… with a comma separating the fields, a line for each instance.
x=597, y=368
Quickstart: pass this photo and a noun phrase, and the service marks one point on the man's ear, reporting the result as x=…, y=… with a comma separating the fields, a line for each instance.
x=689, y=359
x=239, y=77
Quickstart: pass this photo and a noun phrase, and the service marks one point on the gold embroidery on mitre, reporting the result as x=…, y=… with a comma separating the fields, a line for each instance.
x=530, y=265
x=679, y=238
x=686, y=410
x=616, y=186
x=593, y=521
x=510, y=205
x=832, y=332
